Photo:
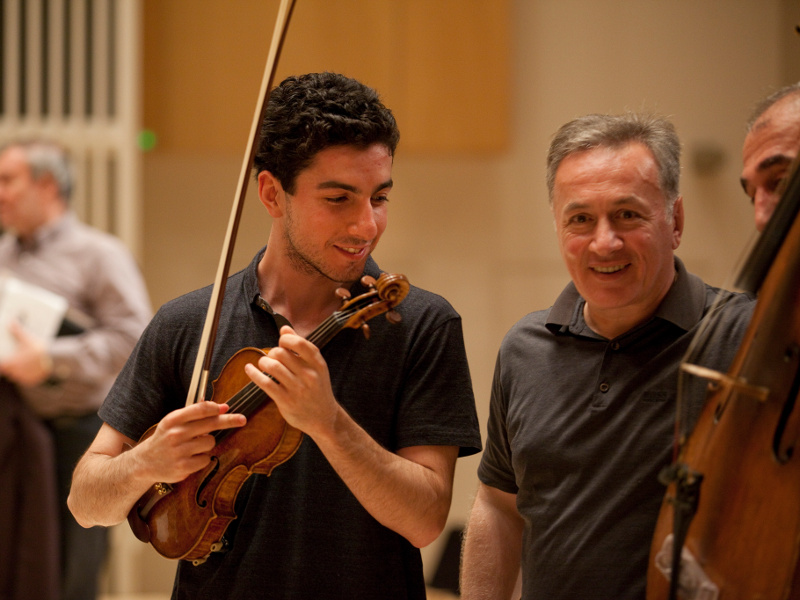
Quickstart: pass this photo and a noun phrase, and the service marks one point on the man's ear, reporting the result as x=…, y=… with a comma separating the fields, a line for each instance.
x=677, y=220
x=48, y=186
x=271, y=194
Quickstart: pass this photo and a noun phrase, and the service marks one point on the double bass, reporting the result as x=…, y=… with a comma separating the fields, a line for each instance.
x=729, y=526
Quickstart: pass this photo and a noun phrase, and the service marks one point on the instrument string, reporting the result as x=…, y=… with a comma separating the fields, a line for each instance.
x=251, y=397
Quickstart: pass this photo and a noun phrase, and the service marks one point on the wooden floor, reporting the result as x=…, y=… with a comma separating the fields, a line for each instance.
x=433, y=594
x=133, y=597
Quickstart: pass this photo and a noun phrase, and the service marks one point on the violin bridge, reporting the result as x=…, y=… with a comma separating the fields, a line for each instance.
x=757, y=392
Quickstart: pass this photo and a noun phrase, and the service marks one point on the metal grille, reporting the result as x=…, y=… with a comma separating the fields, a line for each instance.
x=69, y=71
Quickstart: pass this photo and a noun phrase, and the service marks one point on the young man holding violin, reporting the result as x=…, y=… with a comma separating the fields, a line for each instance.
x=384, y=419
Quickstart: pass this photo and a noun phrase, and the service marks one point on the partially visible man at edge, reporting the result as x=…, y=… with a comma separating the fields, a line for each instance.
x=384, y=418
x=770, y=148
x=583, y=403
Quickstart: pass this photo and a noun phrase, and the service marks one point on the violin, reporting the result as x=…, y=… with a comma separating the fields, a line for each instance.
x=187, y=520
x=729, y=526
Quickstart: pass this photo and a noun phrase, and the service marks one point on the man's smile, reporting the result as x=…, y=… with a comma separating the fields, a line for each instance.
x=612, y=269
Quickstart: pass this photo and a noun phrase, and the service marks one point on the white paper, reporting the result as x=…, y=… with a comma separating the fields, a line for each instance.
x=39, y=311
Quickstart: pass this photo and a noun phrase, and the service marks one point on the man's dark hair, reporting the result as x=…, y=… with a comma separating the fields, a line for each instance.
x=309, y=113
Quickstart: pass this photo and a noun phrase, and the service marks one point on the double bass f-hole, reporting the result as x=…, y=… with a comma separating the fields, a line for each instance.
x=783, y=444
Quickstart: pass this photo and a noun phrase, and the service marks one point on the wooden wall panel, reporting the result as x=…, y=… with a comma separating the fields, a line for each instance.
x=443, y=67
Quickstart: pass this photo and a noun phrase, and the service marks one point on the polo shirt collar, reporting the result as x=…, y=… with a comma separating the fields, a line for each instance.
x=46, y=232
x=682, y=306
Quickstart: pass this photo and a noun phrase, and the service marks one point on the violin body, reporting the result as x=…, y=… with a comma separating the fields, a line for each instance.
x=187, y=520
x=742, y=462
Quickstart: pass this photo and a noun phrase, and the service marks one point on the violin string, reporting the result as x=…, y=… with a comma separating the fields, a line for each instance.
x=243, y=399
x=320, y=331
x=323, y=334
x=250, y=397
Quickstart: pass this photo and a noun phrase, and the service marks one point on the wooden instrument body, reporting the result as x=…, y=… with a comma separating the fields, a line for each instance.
x=745, y=535
x=187, y=520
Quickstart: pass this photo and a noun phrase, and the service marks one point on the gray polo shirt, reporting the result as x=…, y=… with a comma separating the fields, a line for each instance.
x=580, y=427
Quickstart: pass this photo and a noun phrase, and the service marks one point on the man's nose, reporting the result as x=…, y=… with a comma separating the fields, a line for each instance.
x=364, y=222
x=605, y=239
x=764, y=204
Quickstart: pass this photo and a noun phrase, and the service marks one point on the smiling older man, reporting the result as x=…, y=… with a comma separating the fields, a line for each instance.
x=584, y=396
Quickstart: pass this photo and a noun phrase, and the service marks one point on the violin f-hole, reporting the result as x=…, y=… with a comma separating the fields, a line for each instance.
x=204, y=483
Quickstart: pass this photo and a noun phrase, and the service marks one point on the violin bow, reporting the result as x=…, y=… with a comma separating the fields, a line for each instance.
x=203, y=361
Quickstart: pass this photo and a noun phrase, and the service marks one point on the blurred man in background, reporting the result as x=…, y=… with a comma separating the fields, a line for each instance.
x=64, y=380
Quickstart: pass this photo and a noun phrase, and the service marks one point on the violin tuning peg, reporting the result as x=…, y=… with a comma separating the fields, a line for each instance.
x=368, y=281
x=343, y=294
x=393, y=317
x=365, y=329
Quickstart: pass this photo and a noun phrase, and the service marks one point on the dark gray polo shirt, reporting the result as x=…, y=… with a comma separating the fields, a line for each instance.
x=580, y=427
x=300, y=533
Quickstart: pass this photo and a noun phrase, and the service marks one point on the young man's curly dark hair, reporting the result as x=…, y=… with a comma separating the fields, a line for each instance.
x=313, y=112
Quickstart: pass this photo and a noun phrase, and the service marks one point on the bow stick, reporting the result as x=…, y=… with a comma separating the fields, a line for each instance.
x=197, y=388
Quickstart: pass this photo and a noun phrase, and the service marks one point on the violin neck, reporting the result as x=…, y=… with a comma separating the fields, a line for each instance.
x=327, y=330
x=251, y=397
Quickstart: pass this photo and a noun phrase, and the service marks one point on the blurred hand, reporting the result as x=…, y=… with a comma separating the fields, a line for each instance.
x=30, y=364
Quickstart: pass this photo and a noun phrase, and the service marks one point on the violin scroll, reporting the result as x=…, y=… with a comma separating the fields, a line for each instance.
x=384, y=294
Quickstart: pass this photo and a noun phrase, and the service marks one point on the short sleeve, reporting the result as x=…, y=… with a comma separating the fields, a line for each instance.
x=496, y=468
x=438, y=405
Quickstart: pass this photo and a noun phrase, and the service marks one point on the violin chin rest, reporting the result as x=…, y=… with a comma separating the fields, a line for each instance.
x=139, y=527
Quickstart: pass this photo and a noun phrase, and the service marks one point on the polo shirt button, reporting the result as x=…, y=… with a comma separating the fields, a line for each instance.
x=604, y=387
x=615, y=346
